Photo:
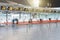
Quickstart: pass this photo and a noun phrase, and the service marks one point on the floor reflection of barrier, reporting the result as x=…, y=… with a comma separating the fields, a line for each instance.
x=15, y=21
x=3, y=24
x=29, y=25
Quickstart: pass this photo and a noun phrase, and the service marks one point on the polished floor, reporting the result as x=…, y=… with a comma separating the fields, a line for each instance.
x=50, y=31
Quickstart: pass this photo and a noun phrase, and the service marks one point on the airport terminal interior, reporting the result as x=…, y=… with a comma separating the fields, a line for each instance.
x=29, y=20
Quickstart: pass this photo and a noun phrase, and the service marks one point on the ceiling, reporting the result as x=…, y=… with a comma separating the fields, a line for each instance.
x=54, y=3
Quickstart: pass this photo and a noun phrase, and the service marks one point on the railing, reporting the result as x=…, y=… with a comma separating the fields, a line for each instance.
x=6, y=17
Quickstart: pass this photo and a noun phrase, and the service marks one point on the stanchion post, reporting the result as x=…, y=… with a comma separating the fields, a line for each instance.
x=41, y=20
